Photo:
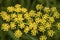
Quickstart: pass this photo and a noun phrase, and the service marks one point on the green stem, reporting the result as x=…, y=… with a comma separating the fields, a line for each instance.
x=22, y=2
x=33, y=4
x=28, y=4
x=47, y=3
x=12, y=35
x=31, y=37
x=55, y=2
x=2, y=35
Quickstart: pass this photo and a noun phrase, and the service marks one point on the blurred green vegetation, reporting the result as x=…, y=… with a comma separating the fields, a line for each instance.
x=29, y=4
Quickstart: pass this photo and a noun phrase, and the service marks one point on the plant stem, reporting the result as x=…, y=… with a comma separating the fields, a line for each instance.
x=33, y=4
x=22, y=2
x=47, y=3
x=12, y=35
x=28, y=4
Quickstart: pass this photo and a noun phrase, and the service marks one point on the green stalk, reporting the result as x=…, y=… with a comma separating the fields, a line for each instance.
x=2, y=35
x=31, y=37
x=55, y=2
x=22, y=2
x=12, y=35
x=33, y=4
x=28, y=4
x=47, y=3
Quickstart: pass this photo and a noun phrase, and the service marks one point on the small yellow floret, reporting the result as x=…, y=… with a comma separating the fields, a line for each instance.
x=24, y=10
x=18, y=33
x=33, y=32
x=46, y=9
x=10, y=8
x=26, y=30
x=51, y=33
x=21, y=25
x=5, y=27
x=17, y=5
x=12, y=25
x=39, y=6
x=58, y=26
x=42, y=29
x=43, y=37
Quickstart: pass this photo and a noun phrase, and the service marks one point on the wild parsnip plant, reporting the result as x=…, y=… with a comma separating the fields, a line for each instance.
x=40, y=24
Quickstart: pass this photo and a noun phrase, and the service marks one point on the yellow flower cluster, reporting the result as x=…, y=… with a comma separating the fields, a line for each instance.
x=58, y=26
x=16, y=8
x=39, y=6
x=51, y=33
x=19, y=18
x=5, y=16
x=18, y=33
x=5, y=27
x=43, y=37
x=12, y=25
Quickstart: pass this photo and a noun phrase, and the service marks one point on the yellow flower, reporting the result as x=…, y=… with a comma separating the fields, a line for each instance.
x=18, y=9
x=12, y=25
x=10, y=8
x=30, y=20
x=51, y=33
x=56, y=14
x=48, y=25
x=42, y=29
x=24, y=10
x=17, y=5
x=20, y=17
x=13, y=15
x=5, y=16
x=33, y=32
x=18, y=33
x=21, y=25
x=46, y=9
x=45, y=16
x=15, y=20
x=58, y=26
x=43, y=37
x=33, y=25
x=26, y=16
x=26, y=30
x=39, y=6
x=30, y=25
x=5, y=27
x=43, y=21
x=32, y=13
x=51, y=19
x=37, y=20
x=39, y=14
x=53, y=9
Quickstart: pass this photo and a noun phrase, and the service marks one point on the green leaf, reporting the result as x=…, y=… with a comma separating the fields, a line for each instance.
x=57, y=35
x=29, y=37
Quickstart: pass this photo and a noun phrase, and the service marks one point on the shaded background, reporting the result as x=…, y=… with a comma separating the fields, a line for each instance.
x=29, y=4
